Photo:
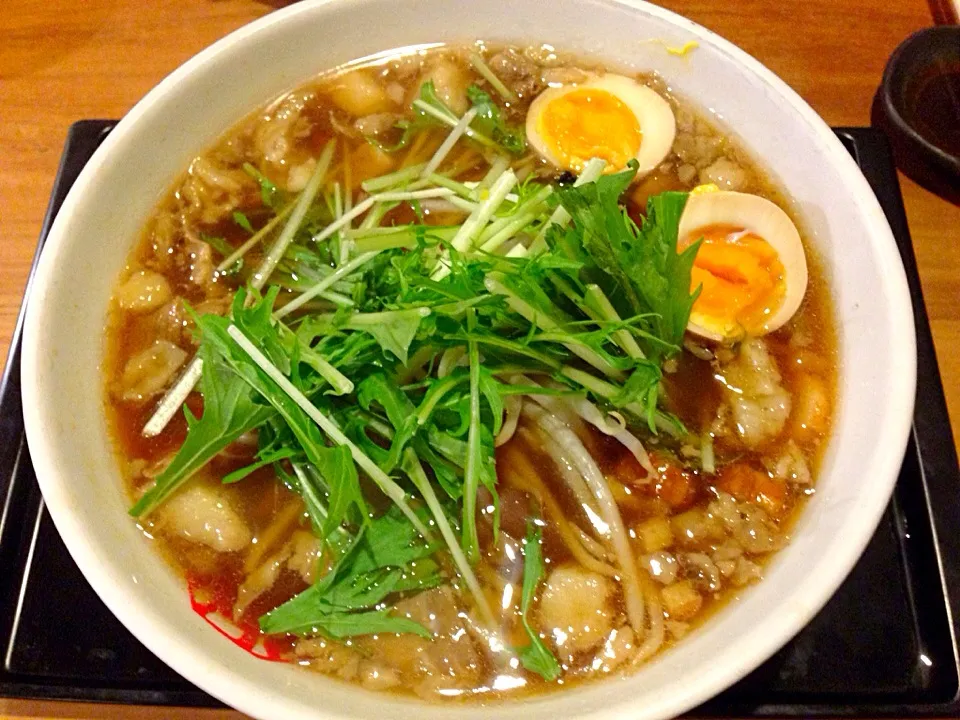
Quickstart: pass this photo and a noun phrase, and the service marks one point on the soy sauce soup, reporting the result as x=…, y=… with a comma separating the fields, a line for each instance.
x=449, y=438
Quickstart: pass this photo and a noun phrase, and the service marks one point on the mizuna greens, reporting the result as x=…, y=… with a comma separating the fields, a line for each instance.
x=405, y=381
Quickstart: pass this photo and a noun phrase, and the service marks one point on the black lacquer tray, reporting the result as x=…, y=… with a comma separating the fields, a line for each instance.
x=885, y=645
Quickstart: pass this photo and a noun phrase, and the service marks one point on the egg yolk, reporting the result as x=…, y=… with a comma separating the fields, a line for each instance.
x=742, y=278
x=587, y=123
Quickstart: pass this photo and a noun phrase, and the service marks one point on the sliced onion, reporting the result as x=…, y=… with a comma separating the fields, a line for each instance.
x=260, y=580
x=572, y=477
x=525, y=478
x=563, y=436
x=441, y=205
x=707, y=458
x=630, y=441
x=611, y=424
x=550, y=402
x=449, y=360
x=594, y=547
x=698, y=351
x=657, y=631
x=618, y=419
x=512, y=406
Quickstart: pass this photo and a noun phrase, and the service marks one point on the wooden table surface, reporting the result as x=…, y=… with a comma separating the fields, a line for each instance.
x=62, y=60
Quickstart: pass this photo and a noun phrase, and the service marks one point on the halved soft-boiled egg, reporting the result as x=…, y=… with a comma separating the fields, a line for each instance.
x=751, y=265
x=606, y=116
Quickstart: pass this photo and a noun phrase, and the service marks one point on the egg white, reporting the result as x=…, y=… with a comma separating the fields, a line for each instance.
x=654, y=116
x=762, y=218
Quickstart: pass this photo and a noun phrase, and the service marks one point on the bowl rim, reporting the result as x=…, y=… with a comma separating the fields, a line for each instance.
x=904, y=53
x=768, y=634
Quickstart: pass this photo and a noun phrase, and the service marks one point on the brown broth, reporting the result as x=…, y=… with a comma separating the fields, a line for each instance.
x=804, y=351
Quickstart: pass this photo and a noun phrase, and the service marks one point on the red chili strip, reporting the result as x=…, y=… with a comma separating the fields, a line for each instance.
x=250, y=638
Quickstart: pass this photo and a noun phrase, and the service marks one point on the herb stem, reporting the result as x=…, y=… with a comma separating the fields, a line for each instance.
x=534, y=204
x=518, y=348
x=340, y=273
x=341, y=384
x=447, y=145
x=311, y=499
x=303, y=204
x=511, y=228
x=598, y=301
x=464, y=239
x=433, y=396
x=414, y=470
x=256, y=238
x=176, y=396
x=452, y=120
x=608, y=391
x=497, y=168
x=343, y=244
x=386, y=197
x=496, y=83
x=361, y=320
x=592, y=170
x=459, y=188
x=471, y=480
x=383, y=481
x=399, y=237
x=390, y=180
x=546, y=323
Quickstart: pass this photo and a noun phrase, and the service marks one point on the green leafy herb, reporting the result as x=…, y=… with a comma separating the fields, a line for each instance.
x=269, y=458
x=643, y=388
x=378, y=389
x=270, y=194
x=642, y=264
x=387, y=558
x=335, y=465
x=397, y=374
x=341, y=625
x=395, y=331
x=421, y=119
x=489, y=122
x=240, y=219
x=230, y=408
x=488, y=125
x=536, y=656
x=343, y=488
x=218, y=244
x=479, y=465
x=662, y=273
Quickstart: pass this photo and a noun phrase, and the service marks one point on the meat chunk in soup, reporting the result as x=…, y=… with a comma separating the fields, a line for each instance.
x=759, y=404
x=148, y=372
x=452, y=658
x=200, y=514
x=576, y=609
x=143, y=291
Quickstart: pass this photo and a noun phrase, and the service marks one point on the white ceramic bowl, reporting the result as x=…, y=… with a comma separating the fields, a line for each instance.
x=100, y=220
